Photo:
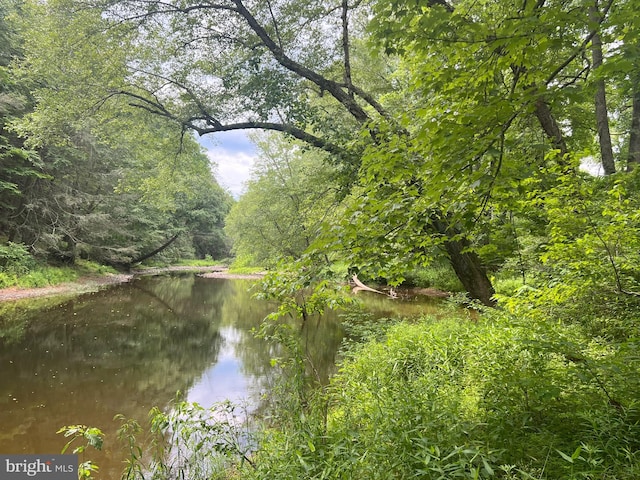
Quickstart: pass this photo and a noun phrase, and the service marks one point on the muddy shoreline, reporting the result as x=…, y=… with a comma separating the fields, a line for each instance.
x=92, y=283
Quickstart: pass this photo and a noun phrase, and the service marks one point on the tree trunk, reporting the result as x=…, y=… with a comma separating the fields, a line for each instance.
x=634, y=136
x=156, y=251
x=602, y=122
x=602, y=116
x=466, y=264
x=550, y=126
x=470, y=271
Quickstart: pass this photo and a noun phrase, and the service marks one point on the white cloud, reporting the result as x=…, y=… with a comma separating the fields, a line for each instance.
x=232, y=168
x=234, y=155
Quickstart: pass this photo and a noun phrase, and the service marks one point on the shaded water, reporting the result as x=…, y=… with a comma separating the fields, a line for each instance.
x=133, y=346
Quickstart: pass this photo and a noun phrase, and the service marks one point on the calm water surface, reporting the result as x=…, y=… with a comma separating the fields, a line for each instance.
x=134, y=346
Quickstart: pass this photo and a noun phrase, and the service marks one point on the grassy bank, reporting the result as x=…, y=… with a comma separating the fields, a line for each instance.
x=18, y=268
x=494, y=398
x=39, y=275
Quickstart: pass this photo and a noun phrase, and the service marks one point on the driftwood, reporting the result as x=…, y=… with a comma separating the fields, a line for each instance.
x=361, y=286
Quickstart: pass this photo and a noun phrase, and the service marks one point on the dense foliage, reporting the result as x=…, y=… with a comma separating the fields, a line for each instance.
x=109, y=185
x=455, y=399
x=287, y=201
x=437, y=118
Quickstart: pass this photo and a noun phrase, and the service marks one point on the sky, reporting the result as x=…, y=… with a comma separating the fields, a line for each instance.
x=233, y=154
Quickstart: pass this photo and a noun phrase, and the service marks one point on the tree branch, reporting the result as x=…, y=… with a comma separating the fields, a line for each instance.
x=581, y=49
x=295, y=132
x=550, y=126
x=334, y=88
x=345, y=47
x=275, y=23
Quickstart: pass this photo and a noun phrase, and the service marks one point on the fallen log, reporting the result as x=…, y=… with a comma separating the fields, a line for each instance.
x=361, y=286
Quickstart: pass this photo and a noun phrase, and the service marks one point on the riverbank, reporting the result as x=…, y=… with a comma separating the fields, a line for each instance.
x=91, y=283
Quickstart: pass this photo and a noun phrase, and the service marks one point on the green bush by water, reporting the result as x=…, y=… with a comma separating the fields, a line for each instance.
x=45, y=276
x=15, y=259
x=18, y=268
x=456, y=399
x=440, y=276
x=40, y=276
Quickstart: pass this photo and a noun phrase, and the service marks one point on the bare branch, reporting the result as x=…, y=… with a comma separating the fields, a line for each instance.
x=275, y=23
x=345, y=47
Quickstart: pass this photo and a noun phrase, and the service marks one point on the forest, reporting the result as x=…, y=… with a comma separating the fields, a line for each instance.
x=488, y=149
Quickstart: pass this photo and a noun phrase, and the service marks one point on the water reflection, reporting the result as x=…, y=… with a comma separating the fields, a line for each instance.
x=132, y=347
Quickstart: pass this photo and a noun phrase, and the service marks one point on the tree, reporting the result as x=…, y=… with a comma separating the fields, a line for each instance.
x=602, y=114
x=487, y=94
x=20, y=165
x=492, y=82
x=288, y=199
x=112, y=185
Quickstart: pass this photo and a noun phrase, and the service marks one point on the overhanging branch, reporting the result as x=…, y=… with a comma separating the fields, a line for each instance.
x=295, y=132
x=213, y=125
x=333, y=88
x=582, y=47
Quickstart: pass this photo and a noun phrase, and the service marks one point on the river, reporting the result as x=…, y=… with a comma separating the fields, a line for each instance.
x=130, y=347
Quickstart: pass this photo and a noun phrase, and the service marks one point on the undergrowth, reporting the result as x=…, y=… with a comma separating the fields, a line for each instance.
x=439, y=399
x=38, y=276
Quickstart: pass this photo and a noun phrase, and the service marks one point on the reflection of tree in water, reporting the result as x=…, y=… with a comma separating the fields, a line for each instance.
x=131, y=347
x=122, y=350
x=320, y=337
x=188, y=294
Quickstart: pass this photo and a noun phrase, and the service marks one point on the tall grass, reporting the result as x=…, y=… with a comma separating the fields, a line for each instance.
x=440, y=399
x=18, y=268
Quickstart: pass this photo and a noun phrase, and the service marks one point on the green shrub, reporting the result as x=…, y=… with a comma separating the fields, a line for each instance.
x=15, y=258
x=585, y=270
x=188, y=441
x=456, y=399
x=87, y=266
x=19, y=268
x=243, y=261
x=45, y=276
x=439, y=276
x=199, y=262
x=507, y=285
x=7, y=280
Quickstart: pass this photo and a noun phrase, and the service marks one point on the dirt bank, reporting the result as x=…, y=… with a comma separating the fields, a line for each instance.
x=239, y=276
x=91, y=283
